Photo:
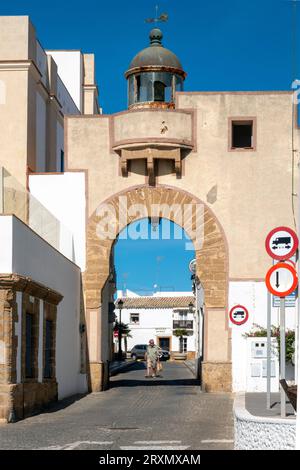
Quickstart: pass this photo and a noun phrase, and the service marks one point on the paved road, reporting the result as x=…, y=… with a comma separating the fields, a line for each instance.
x=136, y=413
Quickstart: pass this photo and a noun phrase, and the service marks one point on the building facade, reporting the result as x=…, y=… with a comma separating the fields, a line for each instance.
x=159, y=317
x=37, y=89
x=42, y=339
x=219, y=164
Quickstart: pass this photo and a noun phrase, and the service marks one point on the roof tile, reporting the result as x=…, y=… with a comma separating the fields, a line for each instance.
x=157, y=302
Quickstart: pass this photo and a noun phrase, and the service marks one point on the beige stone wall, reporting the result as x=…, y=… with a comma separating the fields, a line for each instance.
x=212, y=262
x=253, y=187
x=15, y=35
x=87, y=147
x=13, y=122
x=246, y=193
x=21, y=78
x=152, y=125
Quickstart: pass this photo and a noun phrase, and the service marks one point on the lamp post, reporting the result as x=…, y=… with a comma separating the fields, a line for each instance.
x=120, y=306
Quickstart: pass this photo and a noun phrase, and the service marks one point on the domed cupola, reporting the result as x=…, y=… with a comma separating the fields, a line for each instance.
x=154, y=75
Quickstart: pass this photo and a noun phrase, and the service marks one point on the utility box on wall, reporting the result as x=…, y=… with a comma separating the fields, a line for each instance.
x=256, y=380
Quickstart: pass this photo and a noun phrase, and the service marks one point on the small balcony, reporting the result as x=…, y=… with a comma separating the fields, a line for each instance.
x=152, y=135
x=183, y=324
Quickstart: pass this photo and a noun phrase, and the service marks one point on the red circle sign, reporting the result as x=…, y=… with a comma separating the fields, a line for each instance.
x=281, y=279
x=281, y=243
x=238, y=315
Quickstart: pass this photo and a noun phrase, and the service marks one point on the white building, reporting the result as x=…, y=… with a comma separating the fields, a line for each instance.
x=42, y=229
x=157, y=317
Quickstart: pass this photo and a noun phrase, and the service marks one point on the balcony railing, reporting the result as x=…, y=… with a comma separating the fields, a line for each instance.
x=186, y=324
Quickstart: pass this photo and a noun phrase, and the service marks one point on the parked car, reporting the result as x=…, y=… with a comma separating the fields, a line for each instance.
x=139, y=350
x=165, y=355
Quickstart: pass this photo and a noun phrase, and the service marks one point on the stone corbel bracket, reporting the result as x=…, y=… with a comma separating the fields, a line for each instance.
x=19, y=283
x=150, y=154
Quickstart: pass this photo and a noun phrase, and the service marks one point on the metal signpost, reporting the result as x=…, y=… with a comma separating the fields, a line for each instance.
x=281, y=281
x=269, y=299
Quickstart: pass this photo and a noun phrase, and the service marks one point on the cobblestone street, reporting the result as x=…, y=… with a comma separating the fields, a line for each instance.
x=167, y=413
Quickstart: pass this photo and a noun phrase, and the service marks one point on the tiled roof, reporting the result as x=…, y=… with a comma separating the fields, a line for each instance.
x=157, y=302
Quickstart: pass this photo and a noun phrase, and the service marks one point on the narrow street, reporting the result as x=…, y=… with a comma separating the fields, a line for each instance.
x=166, y=413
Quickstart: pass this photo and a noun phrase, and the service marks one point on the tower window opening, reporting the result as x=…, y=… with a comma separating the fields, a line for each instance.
x=159, y=91
x=242, y=134
x=138, y=88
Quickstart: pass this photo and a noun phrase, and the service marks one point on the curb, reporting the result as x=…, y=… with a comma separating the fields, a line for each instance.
x=190, y=368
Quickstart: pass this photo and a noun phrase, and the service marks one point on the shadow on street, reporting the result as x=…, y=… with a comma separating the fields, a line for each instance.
x=140, y=381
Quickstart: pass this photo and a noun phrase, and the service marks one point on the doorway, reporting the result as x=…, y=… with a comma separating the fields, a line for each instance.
x=164, y=343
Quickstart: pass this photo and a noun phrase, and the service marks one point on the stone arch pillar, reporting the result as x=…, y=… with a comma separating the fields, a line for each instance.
x=212, y=269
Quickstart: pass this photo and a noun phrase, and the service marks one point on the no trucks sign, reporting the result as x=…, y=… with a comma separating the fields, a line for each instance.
x=281, y=243
x=238, y=315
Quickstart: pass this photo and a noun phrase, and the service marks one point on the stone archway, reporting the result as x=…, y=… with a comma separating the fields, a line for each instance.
x=212, y=270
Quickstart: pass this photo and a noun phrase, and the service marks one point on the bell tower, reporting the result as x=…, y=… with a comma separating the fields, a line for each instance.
x=154, y=75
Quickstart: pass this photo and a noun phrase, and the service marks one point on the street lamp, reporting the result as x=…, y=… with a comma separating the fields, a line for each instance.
x=120, y=306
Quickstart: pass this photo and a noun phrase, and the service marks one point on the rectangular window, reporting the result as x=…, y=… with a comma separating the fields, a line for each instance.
x=183, y=315
x=62, y=161
x=29, y=351
x=183, y=345
x=135, y=318
x=242, y=134
x=48, y=349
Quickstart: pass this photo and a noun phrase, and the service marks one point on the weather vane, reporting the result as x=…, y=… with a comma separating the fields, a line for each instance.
x=158, y=19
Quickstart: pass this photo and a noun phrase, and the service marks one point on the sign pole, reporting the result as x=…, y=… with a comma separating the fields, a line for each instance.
x=269, y=351
x=297, y=354
x=282, y=356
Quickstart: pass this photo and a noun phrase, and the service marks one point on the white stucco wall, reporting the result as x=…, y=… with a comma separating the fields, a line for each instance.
x=64, y=196
x=253, y=295
x=261, y=433
x=70, y=69
x=6, y=241
x=65, y=99
x=155, y=323
x=31, y=256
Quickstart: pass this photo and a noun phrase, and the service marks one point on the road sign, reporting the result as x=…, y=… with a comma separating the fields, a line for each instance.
x=281, y=243
x=281, y=279
x=290, y=300
x=238, y=315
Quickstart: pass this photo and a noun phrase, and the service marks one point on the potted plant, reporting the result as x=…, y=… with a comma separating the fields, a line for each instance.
x=180, y=333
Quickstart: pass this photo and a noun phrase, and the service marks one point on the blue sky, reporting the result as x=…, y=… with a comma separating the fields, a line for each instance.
x=222, y=44
x=146, y=266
